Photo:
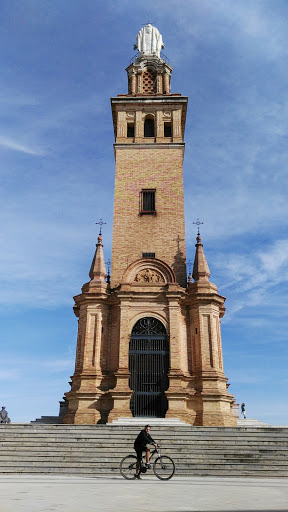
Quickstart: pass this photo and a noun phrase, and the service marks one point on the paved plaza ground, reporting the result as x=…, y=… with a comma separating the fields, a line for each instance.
x=44, y=493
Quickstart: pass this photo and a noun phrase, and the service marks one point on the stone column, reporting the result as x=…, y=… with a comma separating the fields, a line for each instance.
x=159, y=83
x=166, y=83
x=175, y=394
x=139, y=82
x=93, y=341
x=80, y=339
x=159, y=125
x=121, y=125
x=133, y=83
x=122, y=392
x=139, y=127
x=176, y=124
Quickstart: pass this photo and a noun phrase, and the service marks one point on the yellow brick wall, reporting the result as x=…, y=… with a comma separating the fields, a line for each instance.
x=150, y=166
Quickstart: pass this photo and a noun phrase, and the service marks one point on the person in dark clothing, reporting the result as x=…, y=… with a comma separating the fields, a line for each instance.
x=140, y=446
x=243, y=411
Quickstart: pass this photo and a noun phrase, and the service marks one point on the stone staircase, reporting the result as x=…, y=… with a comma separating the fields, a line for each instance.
x=251, y=422
x=98, y=449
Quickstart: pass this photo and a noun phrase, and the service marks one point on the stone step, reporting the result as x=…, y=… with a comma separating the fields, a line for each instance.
x=69, y=444
x=98, y=449
x=201, y=442
x=50, y=420
x=142, y=421
x=192, y=437
x=251, y=422
x=180, y=443
x=227, y=449
x=112, y=473
x=69, y=461
x=193, y=470
x=121, y=428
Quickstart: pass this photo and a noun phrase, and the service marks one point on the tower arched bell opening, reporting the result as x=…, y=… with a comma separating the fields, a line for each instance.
x=149, y=367
x=149, y=128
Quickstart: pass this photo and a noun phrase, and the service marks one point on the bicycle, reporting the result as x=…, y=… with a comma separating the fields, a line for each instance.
x=163, y=466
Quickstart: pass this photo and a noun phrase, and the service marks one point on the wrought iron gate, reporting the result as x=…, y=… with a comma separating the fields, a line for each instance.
x=149, y=366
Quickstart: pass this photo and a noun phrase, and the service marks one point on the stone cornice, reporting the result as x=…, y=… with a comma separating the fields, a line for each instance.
x=148, y=145
x=149, y=99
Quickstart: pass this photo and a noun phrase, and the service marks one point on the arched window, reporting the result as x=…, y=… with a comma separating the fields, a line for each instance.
x=149, y=127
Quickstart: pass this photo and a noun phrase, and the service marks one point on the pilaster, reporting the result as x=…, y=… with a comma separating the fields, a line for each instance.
x=122, y=393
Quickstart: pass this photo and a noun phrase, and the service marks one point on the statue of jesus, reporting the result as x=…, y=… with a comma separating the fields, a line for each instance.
x=149, y=41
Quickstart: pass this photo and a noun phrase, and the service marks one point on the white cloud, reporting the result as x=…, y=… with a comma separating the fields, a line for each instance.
x=243, y=23
x=255, y=279
x=275, y=261
x=9, y=374
x=19, y=146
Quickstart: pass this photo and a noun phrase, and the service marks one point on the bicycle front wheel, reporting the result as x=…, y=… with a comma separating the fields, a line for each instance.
x=164, y=468
x=128, y=467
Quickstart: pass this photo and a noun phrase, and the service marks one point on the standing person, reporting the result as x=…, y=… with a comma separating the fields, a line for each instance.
x=140, y=446
x=243, y=411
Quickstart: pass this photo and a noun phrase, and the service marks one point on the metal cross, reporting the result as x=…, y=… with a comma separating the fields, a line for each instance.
x=101, y=223
x=198, y=223
x=108, y=263
x=178, y=240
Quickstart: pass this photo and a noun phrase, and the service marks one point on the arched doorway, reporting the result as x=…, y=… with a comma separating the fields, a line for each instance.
x=149, y=366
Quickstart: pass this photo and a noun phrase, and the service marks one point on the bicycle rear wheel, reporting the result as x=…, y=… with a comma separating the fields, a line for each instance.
x=164, y=468
x=128, y=467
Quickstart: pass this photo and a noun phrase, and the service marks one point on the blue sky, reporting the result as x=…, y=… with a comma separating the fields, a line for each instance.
x=61, y=61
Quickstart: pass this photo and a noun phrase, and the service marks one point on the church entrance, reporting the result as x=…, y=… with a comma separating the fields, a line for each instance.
x=149, y=366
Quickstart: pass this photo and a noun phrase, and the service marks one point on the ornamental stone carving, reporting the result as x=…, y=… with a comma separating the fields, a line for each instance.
x=149, y=275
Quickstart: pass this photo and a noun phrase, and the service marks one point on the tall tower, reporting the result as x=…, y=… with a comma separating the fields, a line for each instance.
x=149, y=344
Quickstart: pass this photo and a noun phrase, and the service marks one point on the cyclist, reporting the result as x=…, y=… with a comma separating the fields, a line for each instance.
x=140, y=446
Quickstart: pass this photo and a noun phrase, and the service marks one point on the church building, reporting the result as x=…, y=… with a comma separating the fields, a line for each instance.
x=149, y=339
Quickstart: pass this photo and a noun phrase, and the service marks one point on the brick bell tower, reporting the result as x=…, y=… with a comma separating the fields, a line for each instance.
x=149, y=344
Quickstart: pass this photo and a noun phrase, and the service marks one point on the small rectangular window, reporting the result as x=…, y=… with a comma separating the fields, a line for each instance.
x=147, y=201
x=148, y=254
x=130, y=130
x=167, y=130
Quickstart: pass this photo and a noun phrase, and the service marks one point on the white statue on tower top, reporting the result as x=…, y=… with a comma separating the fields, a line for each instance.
x=149, y=41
